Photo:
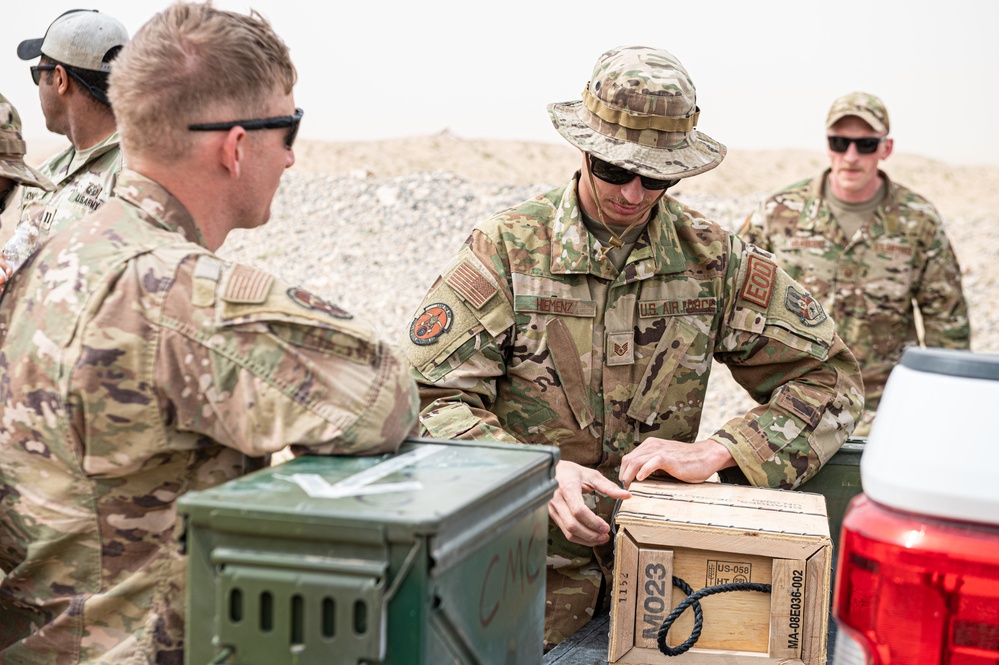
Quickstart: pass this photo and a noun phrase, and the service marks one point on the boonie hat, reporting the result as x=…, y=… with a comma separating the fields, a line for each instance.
x=865, y=106
x=79, y=38
x=639, y=111
x=12, y=149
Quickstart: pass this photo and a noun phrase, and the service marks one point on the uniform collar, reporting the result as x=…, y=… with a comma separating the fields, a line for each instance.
x=160, y=207
x=817, y=218
x=573, y=249
x=76, y=160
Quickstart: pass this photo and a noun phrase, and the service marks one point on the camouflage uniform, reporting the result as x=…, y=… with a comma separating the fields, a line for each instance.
x=528, y=336
x=146, y=367
x=12, y=149
x=84, y=180
x=869, y=282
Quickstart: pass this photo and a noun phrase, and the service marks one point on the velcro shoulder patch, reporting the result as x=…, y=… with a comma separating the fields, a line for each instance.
x=471, y=284
x=796, y=310
x=247, y=286
x=761, y=277
x=207, y=273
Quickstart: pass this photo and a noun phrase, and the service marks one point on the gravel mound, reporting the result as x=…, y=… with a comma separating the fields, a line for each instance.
x=375, y=245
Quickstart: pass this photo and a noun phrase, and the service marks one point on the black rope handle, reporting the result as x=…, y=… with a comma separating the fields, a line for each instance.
x=692, y=599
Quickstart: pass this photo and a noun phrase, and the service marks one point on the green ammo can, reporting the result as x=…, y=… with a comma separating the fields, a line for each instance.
x=435, y=555
x=838, y=481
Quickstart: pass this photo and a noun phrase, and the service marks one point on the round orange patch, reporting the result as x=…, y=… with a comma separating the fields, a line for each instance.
x=435, y=320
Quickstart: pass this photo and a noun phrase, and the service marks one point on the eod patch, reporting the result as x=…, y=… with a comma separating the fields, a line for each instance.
x=428, y=326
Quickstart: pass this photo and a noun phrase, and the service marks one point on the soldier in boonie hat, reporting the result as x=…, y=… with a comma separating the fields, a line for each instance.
x=12, y=150
x=588, y=318
x=639, y=111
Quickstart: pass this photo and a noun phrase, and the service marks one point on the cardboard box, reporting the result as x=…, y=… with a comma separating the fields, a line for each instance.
x=710, y=534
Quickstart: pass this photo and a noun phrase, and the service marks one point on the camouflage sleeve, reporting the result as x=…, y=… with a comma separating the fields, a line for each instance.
x=455, y=345
x=941, y=299
x=755, y=228
x=781, y=346
x=256, y=364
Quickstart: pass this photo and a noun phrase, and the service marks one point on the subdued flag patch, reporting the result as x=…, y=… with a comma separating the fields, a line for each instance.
x=247, y=286
x=471, y=284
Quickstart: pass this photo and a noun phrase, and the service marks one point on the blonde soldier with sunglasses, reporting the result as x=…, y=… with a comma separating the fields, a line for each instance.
x=588, y=318
x=75, y=56
x=869, y=250
x=137, y=365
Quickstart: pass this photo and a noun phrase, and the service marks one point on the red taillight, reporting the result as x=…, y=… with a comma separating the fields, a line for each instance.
x=916, y=590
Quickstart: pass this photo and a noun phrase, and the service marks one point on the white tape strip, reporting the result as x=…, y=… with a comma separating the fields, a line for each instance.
x=361, y=483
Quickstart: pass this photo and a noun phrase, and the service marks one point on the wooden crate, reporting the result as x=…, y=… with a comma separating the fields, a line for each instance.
x=709, y=534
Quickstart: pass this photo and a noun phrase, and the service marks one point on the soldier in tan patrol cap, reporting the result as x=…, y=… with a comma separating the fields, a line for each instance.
x=868, y=249
x=588, y=318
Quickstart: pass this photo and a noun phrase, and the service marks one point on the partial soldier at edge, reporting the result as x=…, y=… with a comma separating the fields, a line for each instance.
x=14, y=170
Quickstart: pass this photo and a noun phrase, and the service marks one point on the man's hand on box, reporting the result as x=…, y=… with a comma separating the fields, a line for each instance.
x=568, y=507
x=689, y=462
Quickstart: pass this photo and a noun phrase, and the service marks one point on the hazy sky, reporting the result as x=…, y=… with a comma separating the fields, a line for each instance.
x=765, y=71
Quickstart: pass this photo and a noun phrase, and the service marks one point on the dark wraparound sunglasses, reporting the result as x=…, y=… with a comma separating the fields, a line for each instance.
x=616, y=175
x=865, y=146
x=36, y=76
x=36, y=72
x=291, y=122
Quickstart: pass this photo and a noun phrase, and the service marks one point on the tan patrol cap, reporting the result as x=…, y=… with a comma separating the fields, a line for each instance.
x=863, y=105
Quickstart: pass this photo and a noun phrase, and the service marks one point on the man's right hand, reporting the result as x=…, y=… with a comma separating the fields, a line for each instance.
x=580, y=524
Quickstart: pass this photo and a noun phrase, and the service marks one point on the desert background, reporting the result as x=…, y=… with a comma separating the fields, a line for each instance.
x=368, y=225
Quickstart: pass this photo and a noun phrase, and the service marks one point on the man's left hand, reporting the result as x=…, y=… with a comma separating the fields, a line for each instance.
x=689, y=462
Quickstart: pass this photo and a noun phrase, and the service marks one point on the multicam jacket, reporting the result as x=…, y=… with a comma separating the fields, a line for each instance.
x=869, y=282
x=84, y=180
x=528, y=336
x=136, y=366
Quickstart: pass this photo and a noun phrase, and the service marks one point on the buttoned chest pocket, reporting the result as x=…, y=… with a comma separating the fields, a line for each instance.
x=812, y=261
x=538, y=301
x=890, y=270
x=670, y=380
x=548, y=361
x=888, y=294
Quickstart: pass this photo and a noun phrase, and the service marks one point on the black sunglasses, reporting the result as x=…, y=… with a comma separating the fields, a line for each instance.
x=616, y=175
x=36, y=76
x=865, y=146
x=36, y=72
x=277, y=122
